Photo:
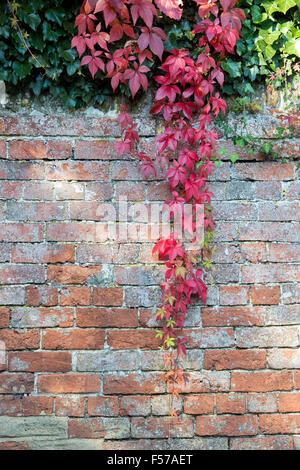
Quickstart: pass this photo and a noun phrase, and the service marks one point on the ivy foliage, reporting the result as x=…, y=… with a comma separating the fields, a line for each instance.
x=270, y=39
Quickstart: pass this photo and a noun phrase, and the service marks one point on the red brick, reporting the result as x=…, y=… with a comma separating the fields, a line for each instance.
x=70, y=406
x=133, y=339
x=131, y=191
x=73, y=339
x=39, y=149
x=234, y=295
x=10, y=170
x=226, y=425
x=112, y=297
x=42, y=295
x=265, y=295
x=125, y=254
x=206, y=382
x=261, y=402
x=10, y=190
x=234, y=359
x=281, y=211
x=2, y=149
x=16, y=383
x=39, y=362
x=158, y=191
x=94, y=150
x=160, y=427
x=284, y=252
x=103, y=317
x=254, y=252
x=15, y=340
x=91, y=428
x=103, y=406
x=264, y=171
x=71, y=274
x=12, y=295
x=262, y=443
x=162, y=405
x=272, y=336
x=73, y=296
x=42, y=317
x=78, y=171
x=5, y=250
x=133, y=383
x=21, y=274
x=77, y=232
x=199, y=404
x=232, y=316
x=20, y=232
x=267, y=231
x=14, y=445
x=4, y=318
x=279, y=424
x=289, y=402
x=68, y=383
x=96, y=211
x=135, y=406
x=42, y=253
x=36, y=406
x=270, y=273
x=10, y=405
x=41, y=191
x=232, y=403
x=260, y=381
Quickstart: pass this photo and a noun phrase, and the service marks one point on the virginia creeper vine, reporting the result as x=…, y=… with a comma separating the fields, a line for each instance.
x=187, y=99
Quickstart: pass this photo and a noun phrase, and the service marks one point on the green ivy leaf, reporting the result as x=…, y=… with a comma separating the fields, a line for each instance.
x=285, y=5
x=233, y=68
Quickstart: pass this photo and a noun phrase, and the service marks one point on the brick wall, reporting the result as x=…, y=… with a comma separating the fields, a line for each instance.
x=81, y=367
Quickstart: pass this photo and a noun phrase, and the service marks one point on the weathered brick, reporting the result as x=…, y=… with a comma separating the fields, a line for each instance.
x=290, y=293
x=284, y=252
x=240, y=190
x=286, y=336
x=206, y=382
x=5, y=250
x=11, y=190
x=39, y=149
x=13, y=232
x=96, y=191
x=10, y=405
x=18, y=274
x=18, y=340
x=234, y=295
x=94, y=254
x=135, y=406
x=134, y=383
x=262, y=443
x=77, y=170
x=226, y=425
x=267, y=231
x=260, y=381
x=254, y=252
x=41, y=317
x=65, y=191
x=70, y=406
x=160, y=427
x=73, y=296
x=16, y=383
x=41, y=295
x=210, y=338
x=264, y=171
x=39, y=362
x=4, y=318
x=38, y=190
x=103, y=406
x=93, y=428
x=112, y=297
x=234, y=359
x=234, y=211
x=42, y=253
x=37, y=406
x=76, y=232
x=163, y=404
x=284, y=358
x=268, y=190
x=232, y=316
x=233, y=403
x=68, y=383
x=261, y=402
x=71, y=274
x=279, y=424
x=281, y=211
x=199, y=404
x=107, y=360
x=104, y=317
x=132, y=339
x=94, y=150
x=73, y=339
x=265, y=295
x=21, y=170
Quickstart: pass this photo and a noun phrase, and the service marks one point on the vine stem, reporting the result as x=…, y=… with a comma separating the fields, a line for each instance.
x=24, y=41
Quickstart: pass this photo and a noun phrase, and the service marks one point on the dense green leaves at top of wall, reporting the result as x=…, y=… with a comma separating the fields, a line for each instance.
x=270, y=39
